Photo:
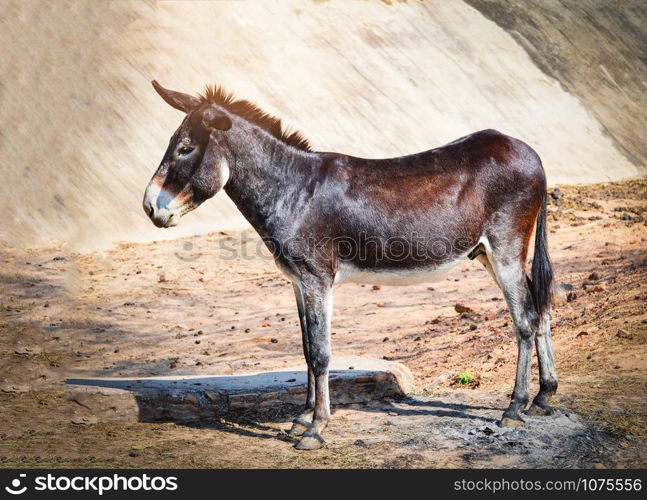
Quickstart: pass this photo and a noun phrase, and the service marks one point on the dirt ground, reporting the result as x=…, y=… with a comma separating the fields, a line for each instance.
x=212, y=305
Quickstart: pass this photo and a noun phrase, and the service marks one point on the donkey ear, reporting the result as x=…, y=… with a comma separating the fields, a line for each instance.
x=215, y=120
x=183, y=102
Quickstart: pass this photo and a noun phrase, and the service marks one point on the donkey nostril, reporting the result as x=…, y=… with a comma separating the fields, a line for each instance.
x=150, y=210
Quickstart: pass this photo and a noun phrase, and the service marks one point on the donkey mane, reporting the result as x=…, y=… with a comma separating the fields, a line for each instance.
x=251, y=112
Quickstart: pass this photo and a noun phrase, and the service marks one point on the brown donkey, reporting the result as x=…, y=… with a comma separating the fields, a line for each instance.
x=330, y=218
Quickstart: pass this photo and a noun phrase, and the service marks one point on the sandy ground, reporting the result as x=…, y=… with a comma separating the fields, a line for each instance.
x=212, y=305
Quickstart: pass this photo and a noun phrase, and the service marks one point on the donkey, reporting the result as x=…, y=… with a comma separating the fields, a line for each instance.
x=478, y=197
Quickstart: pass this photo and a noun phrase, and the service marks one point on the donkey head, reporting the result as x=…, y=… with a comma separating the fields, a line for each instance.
x=194, y=167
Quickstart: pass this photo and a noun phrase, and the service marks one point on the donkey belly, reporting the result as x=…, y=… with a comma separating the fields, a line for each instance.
x=349, y=273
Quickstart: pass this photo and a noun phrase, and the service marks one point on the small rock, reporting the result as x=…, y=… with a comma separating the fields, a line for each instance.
x=28, y=350
x=133, y=453
x=377, y=287
x=197, y=341
x=460, y=308
x=594, y=276
x=274, y=341
x=473, y=327
x=438, y=381
x=581, y=334
x=13, y=388
x=624, y=334
x=116, y=350
x=385, y=339
x=81, y=420
x=247, y=330
x=571, y=297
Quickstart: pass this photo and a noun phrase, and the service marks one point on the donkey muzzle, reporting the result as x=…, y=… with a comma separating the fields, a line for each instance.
x=160, y=207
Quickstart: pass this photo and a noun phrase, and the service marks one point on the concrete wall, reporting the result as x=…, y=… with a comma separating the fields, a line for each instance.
x=83, y=130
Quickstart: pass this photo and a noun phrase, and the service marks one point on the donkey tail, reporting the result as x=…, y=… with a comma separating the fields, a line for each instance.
x=542, y=270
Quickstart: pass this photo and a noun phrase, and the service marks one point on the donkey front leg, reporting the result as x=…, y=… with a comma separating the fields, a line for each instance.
x=304, y=420
x=317, y=301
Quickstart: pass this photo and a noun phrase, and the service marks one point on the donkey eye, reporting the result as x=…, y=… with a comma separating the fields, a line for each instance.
x=185, y=150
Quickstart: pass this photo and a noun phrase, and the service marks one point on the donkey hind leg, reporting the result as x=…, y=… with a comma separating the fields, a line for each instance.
x=317, y=301
x=547, y=371
x=511, y=278
x=545, y=356
x=304, y=420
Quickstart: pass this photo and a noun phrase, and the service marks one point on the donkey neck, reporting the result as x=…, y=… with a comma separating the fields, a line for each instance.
x=268, y=179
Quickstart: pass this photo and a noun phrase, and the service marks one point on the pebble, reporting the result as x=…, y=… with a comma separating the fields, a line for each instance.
x=460, y=308
x=624, y=334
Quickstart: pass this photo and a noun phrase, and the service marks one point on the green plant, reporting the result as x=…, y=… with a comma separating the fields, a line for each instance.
x=464, y=378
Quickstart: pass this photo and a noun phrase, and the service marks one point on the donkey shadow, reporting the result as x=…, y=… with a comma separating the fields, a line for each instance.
x=245, y=404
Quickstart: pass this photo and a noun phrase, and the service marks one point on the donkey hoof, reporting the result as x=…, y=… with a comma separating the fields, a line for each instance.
x=298, y=428
x=312, y=442
x=511, y=422
x=539, y=411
